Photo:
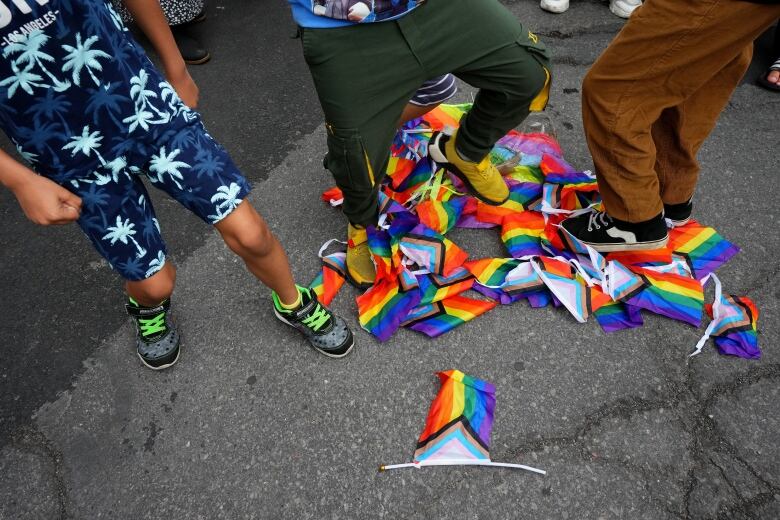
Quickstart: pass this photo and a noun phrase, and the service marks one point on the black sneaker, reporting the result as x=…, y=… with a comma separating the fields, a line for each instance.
x=678, y=214
x=157, y=341
x=191, y=49
x=326, y=332
x=606, y=234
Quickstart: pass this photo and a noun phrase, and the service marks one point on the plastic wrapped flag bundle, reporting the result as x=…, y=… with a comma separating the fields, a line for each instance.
x=457, y=429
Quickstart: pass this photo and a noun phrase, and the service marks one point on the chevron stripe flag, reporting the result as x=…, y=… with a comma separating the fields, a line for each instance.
x=671, y=295
x=434, y=288
x=432, y=251
x=435, y=319
x=460, y=419
x=384, y=306
x=578, y=298
x=458, y=427
x=327, y=284
x=568, y=197
x=508, y=280
x=622, y=283
x=733, y=325
x=735, y=331
x=522, y=233
x=703, y=248
x=419, y=266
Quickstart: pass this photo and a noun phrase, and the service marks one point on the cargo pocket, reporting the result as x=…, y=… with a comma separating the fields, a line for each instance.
x=539, y=52
x=348, y=162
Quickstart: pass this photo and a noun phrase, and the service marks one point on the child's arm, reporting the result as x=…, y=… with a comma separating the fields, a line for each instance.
x=150, y=18
x=43, y=201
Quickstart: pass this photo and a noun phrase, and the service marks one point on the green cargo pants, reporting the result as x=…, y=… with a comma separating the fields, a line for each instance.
x=365, y=75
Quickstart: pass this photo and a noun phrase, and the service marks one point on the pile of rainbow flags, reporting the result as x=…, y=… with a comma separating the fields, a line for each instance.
x=427, y=283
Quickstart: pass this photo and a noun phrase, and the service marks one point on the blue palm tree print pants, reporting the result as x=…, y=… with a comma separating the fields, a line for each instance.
x=87, y=109
x=117, y=214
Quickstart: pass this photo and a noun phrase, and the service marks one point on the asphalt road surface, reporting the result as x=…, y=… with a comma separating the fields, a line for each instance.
x=253, y=424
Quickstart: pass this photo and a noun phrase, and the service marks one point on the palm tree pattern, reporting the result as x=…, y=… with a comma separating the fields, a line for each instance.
x=86, y=108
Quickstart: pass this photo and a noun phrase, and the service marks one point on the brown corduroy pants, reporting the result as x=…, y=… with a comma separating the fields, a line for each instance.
x=654, y=95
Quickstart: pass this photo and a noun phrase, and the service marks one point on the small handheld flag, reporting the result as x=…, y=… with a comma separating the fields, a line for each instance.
x=457, y=430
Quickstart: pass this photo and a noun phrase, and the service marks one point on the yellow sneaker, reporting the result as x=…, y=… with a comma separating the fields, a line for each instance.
x=482, y=179
x=360, y=267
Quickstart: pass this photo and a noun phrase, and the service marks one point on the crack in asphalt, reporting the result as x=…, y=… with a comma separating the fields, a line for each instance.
x=762, y=280
x=555, y=34
x=705, y=437
x=29, y=439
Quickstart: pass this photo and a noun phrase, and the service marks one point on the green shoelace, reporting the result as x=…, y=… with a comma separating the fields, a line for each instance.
x=153, y=325
x=317, y=319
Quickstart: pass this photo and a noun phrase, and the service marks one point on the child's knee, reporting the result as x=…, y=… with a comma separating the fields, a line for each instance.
x=255, y=240
x=155, y=289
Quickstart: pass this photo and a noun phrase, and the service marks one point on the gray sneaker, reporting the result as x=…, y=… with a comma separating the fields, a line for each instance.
x=326, y=332
x=157, y=340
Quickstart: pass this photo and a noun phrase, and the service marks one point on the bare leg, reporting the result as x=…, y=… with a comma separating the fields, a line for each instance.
x=247, y=234
x=155, y=289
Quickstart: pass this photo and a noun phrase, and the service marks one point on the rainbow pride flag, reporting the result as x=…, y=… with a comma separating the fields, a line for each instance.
x=327, y=284
x=736, y=327
x=459, y=421
x=441, y=216
x=703, y=248
x=420, y=271
x=522, y=195
x=435, y=288
x=522, y=233
x=671, y=295
x=614, y=316
x=458, y=427
x=382, y=253
x=432, y=251
x=579, y=299
x=442, y=316
x=384, y=306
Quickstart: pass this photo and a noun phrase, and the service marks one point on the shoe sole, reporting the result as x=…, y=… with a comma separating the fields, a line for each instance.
x=441, y=159
x=620, y=13
x=638, y=246
x=553, y=9
x=323, y=352
x=678, y=223
x=200, y=61
x=160, y=367
x=362, y=286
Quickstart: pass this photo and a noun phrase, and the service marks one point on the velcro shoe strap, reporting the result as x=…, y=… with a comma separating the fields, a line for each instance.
x=143, y=312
